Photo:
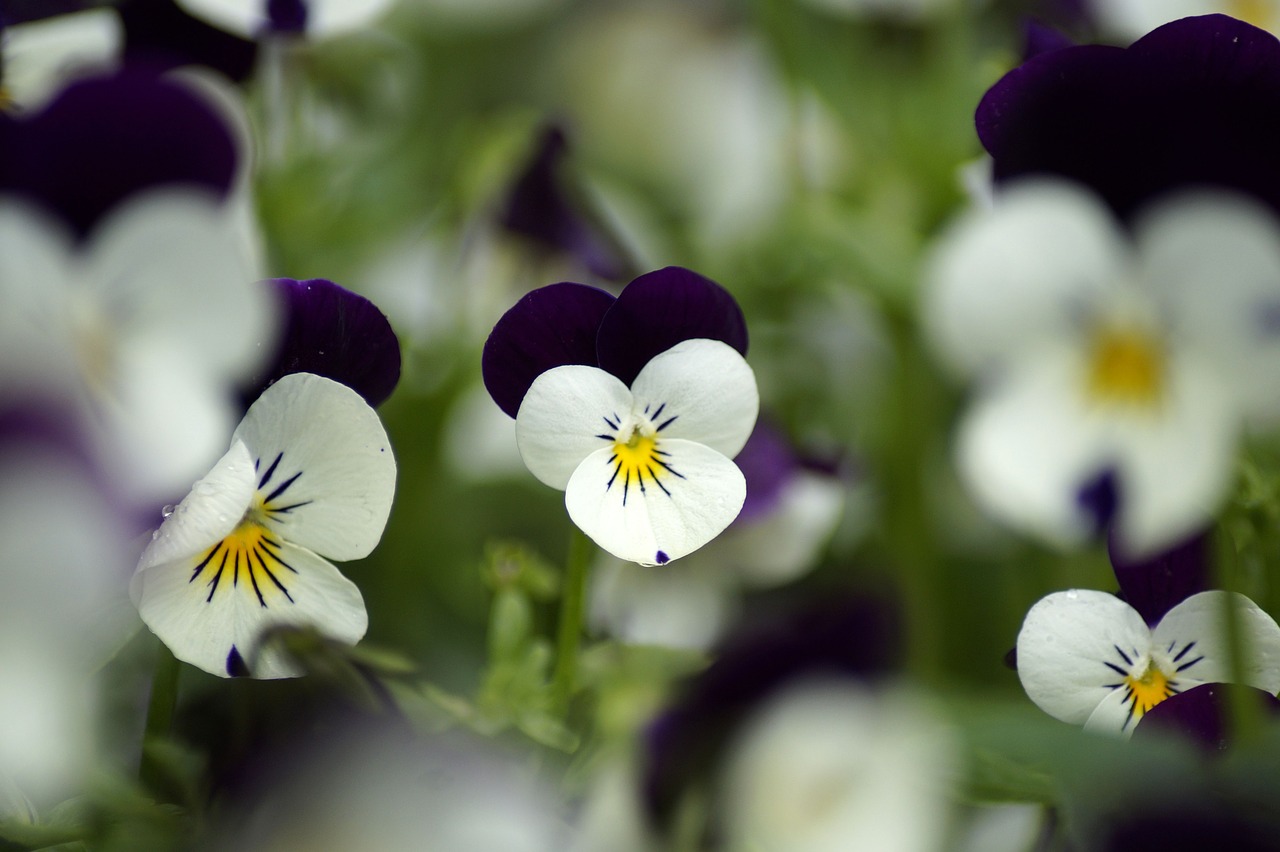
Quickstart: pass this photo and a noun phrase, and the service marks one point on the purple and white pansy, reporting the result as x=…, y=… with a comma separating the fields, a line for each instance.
x=1088, y=658
x=1130, y=357
x=634, y=406
x=315, y=18
x=309, y=477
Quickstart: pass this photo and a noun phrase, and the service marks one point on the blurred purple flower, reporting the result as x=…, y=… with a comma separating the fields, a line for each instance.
x=1201, y=714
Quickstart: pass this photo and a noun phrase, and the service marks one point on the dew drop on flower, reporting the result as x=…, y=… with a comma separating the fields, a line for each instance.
x=167, y=510
x=1072, y=595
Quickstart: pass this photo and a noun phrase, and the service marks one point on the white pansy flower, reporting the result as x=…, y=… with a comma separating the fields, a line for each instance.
x=309, y=477
x=1088, y=658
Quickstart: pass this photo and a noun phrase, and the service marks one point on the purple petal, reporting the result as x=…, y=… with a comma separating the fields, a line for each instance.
x=660, y=309
x=162, y=34
x=858, y=638
x=1201, y=714
x=334, y=333
x=768, y=462
x=105, y=138
x=286, y=16
x=1038, y=38
x=541, y=209
x=1099, y=497
x=1155, y=585
x=549, y=327
x=1190, y=103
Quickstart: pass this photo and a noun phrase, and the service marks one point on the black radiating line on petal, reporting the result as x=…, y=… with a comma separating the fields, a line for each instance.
x=626, y=486
x=235, y=576
x=263, y=564
x=213, y=551
x=669, y=468
x=267, y=544
x=1115, y=669
x=1186, y=666
x=1184, y=651
x=282, y=487
x=289, y=508
x=606, y=437
x=657, y=481
x=616, y=471
x=1123, y=655
x=266, y=477
x=667, y=422
x=657, y=413
x=217, y=578
x=253, y=578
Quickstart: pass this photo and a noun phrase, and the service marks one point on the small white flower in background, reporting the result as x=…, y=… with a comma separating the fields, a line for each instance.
x=250, y=18
x=646, y=470
x=40, y=56
x=1088, y=658
x=829, y=766
x=1097, y=355
x=309, y=477
x=148, y=325
x=1132, y=19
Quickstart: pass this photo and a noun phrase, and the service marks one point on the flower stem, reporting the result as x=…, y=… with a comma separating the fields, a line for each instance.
x=572, y=607
x=1244, y=714
x=164, y=698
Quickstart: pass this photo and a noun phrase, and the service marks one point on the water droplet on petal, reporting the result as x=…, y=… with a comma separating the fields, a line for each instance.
x=155, y=534
x=1072, y=595
x=167, y=510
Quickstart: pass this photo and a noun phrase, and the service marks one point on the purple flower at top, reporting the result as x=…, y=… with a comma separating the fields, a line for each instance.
x=161, y=34
x=1191, y=103
x=541, y=209
x=633, y=406
x=335, y=333
x=1156, y=584
x=107, y=138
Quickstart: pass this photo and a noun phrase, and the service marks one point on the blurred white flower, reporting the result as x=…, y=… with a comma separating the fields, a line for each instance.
x=903, y=10
x=318, y=18
x=1132, y=19
x=40, y=56
x=1114, y=373
x=148, y=325
x=828, y=766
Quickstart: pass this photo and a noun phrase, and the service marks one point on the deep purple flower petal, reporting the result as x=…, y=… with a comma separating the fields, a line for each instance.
x=332, y=332
x=1193, y=102
x=1038, y=38
x=105, y=138
x=541, y=209
x=549, y=327
x=768, y=462
x=162, y=34
x=1201, y=714
x=1156, y=584
x=859, y=638
x=286, y=16
x=660, y=309
x=1099, y=497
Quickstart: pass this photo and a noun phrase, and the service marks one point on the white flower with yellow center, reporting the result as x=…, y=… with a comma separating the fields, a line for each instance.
x=1088, y=658
x=646, y=470
x=309, y=475
x=1133, y=19
x=1104, y=356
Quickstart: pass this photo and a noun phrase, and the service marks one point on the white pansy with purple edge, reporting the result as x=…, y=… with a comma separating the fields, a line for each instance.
x=309, y=477
x=1088, y=658
x=1099, y=356
x=634, y=406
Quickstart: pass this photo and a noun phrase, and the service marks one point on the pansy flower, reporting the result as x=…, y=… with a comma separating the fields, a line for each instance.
x=1088, y=658
x=634, y=406
x=309, y=477
x=315, y=18
x=332, y=332
x=1114, y=370
x=1189, y=104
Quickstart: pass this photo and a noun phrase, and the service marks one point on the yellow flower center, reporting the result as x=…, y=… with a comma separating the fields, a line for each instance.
x=1147, y=690
x=249, y=558
x=638, y=460
x=1126, y=367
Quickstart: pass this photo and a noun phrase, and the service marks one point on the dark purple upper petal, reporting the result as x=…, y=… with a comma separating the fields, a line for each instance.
x=660, y=309
x=332, y=332
x=1156, y=584
x=858, y=637
x=549, y=327
x=768, y=462
x=541, y=209
x=1201, y=714
x=105, y=138
x=162, y=34
x=286, y=16
x=1038, y=38
x=1193, y=102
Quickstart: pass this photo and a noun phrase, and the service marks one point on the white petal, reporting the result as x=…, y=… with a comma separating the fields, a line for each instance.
x=1199, y=619
x=36, y=341
x=678, y=606
x=202, y=624
x=335, y=458
x=1064, y=644
x=1112, y=716
x=1026, y=447
x=1003, y=279
x=172, y=264
x=1214, y=261
x=247, y=18
x=42, y=56
x=704, y=493
x=563, y=416
x=206, y=515
x=1176, y=465
x=706, y=392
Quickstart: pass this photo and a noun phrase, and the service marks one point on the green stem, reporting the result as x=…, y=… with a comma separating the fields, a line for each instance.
x=572, y=607
x=160, y=709
x=1243, y=710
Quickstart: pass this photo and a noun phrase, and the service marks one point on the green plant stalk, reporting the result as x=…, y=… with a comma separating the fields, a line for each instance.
x=572, y=612
x=160, y=710
x=1243, y=710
